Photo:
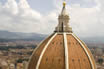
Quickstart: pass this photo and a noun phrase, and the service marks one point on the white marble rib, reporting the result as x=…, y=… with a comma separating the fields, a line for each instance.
x=66, y=52
x=36, y=49
x=63, y=32
x=85, y=51
x=44, y=49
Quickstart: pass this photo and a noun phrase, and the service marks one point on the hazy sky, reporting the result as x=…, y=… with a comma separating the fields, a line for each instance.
x=40, y=16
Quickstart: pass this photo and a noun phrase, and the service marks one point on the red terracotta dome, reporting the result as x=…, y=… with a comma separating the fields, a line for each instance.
x=62, y=50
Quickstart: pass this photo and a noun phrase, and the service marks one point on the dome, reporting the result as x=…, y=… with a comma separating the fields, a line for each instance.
x=62, y=50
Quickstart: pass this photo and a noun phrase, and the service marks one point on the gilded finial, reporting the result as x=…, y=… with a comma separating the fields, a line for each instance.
x=64, y=3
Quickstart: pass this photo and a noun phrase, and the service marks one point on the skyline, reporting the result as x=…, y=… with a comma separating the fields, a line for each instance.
x=41, y=17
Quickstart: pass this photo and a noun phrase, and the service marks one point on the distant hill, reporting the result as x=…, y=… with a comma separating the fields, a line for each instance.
x=99, y=39
x=19, y=35
x=39, y=37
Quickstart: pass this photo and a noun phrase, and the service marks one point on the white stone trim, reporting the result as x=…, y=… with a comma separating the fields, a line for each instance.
x=68, y=33
x=66, y=52
x=85, y=50
x=37, y=48
x=43, y=51
x=63, y=32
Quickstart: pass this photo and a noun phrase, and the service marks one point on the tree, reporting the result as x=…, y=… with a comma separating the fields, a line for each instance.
x=100, y=61
x=0, y=67
x=19, y=60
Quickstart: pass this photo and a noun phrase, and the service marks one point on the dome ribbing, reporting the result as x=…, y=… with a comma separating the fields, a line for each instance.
x=62, y=50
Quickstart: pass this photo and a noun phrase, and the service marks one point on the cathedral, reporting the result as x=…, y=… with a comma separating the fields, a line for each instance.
x=62, y=49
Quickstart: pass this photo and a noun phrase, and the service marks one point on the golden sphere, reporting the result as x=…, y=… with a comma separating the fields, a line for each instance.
x=64, y=3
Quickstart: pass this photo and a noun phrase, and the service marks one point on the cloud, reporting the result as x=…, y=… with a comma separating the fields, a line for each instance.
x=11, y=7
x=85, y=20
x=88, y=21
x=19, y=17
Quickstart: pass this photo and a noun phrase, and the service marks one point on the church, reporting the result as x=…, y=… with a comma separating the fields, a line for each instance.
x=62, y=49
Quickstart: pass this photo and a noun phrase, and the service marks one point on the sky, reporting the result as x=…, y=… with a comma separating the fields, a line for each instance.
x=41, y=16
